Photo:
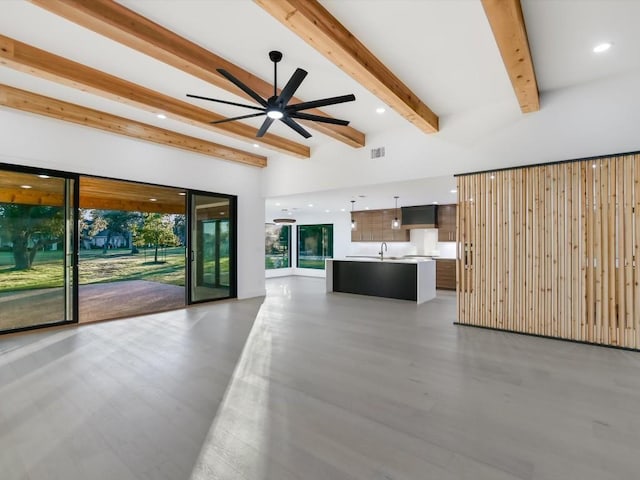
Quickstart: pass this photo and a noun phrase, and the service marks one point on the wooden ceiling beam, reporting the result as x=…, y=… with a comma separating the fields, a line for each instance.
x=507, y=24
x=34, y=103
x=315, y=25
x=125, y=26
x=34, y=61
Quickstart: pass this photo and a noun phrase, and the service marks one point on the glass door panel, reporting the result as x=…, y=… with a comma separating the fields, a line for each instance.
x=36, y=250
x=131, y=252
x=211, y=253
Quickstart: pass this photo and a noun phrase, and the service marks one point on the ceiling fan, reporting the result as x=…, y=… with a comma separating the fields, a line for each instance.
x=276, y=107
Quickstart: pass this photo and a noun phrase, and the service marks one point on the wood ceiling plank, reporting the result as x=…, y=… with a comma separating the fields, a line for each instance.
x=31, y=197
x=315, y=25
x=34, y=61
x=112, y=203
x=131, y=191
x=125, y=26
x=31, y=102
x=507, y=24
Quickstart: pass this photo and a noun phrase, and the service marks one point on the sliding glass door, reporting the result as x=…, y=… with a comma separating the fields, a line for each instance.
x=212, y=256
x=36, y=249
x=79, y=248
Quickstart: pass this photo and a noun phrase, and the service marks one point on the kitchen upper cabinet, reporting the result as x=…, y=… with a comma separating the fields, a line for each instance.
x=447, y=223
x=375, y=226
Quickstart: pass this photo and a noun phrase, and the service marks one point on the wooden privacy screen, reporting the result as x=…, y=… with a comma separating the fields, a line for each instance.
x=551, y=250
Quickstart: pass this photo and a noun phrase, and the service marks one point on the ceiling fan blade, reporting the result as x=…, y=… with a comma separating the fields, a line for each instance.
x=295, y=126
x=253, y=107
x=238, y=118
x=242, y=87
x=320, y=103
x=291, y=86
x=265, y=126
x=318, y=118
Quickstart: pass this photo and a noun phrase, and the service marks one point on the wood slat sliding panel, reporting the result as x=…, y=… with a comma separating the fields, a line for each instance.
x=636, y=248
x=552, y=250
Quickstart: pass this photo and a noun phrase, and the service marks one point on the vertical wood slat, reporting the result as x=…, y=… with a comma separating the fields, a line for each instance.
x=553, y=250
x=628, y=254
x=621, y=327
x=609, y=273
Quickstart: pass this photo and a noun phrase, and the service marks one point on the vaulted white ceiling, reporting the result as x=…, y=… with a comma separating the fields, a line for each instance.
x=441, y=49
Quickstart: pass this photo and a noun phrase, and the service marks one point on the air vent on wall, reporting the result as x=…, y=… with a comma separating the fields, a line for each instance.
x=377, y=152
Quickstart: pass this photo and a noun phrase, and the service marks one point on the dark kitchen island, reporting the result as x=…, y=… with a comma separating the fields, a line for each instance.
x=400, y=278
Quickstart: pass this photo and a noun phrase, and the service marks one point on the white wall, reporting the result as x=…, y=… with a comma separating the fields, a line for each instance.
x=595, y=118
x=42, y=142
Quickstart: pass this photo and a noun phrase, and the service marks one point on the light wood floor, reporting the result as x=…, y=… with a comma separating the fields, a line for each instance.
x=328, y=387
x=123, y=400
x=341, y=386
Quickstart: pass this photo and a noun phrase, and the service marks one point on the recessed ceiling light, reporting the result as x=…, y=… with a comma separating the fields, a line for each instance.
x=44, y=176
x=327, y=211
x=602, y=47
x=255, y=145
x=435, y=203
x=26, y=186
x=366, y=208
x=277, y=204
x=310, y=205
x=343, y=209
x=161, y=116
x=182, y=194
x=153, y=199
x=454, y=191
x=380, y=110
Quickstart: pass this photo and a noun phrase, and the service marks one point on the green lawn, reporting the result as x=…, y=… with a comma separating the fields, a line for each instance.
x=120, y=265
x=94, y=267
x=276, y=261
x=311, y=263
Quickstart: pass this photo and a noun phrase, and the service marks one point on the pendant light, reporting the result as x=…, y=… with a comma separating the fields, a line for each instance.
x=395, y=223
x=354, y=225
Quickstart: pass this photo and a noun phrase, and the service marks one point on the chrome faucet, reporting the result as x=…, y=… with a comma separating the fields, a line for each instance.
x=383, y=248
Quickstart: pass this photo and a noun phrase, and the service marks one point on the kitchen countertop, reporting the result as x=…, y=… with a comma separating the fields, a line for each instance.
x=386, y=259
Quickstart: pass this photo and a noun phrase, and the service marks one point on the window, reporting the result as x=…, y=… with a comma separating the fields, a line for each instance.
x=276, y=246
x=315, y=244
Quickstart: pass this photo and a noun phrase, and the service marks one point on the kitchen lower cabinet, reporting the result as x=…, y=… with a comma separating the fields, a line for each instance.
x=445, y=274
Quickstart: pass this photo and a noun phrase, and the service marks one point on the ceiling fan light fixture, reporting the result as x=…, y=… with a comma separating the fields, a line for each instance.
x=275, y=114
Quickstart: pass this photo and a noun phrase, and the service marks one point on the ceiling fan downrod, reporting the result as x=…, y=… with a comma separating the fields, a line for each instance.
x=275, y=57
